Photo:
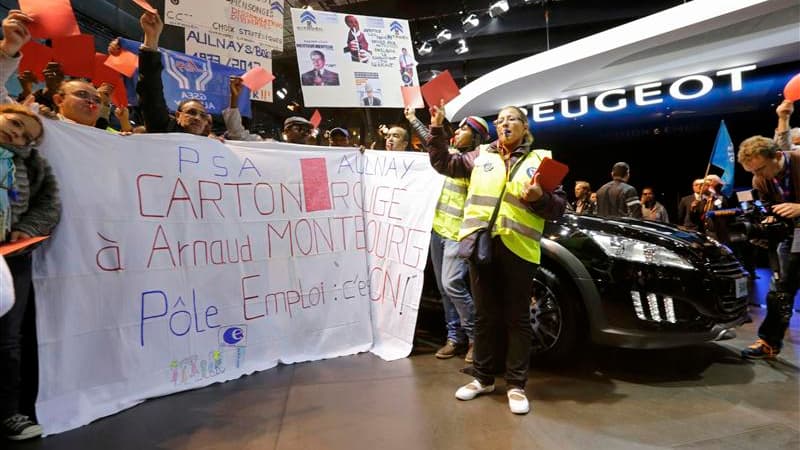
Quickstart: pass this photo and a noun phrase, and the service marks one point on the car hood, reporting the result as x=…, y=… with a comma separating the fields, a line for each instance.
x=669, y=236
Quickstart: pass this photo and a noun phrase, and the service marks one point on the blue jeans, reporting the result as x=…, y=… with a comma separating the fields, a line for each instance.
x=452, y=278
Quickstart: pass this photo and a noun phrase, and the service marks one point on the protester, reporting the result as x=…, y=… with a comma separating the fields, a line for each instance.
x=776, y=176
x=450, y=270
x=338, y=137
x=29, y=207
x=788, y=138
x=582, y=204
x=396, y=139
x=296, y=130
x=191, y=116
x=651, y=208
x=77, y=101
x=500, y=189
x=15, y=35
x=233, y=118
x=685, y=205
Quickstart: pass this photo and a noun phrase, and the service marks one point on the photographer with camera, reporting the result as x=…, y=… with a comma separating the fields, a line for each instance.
x=776, y=177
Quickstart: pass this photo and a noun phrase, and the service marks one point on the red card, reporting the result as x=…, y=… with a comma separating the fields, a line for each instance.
x=11, y=247
x=412, y=97
x=443, y=87
x=145, y=6
x=792, y=89
x=316, y=118
x=126, y=63
x=76, y=54
x=256, y=78
x=51, y=18
x=316, y=192
x=103, y=73
x=553, y=173
x=35, y=57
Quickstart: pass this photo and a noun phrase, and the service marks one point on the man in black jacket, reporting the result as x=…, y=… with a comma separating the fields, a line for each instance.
x=617, y=198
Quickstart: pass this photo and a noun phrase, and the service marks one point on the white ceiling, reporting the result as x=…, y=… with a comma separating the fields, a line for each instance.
x=696, y=37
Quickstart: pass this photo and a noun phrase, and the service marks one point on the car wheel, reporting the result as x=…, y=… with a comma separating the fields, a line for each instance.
x=554, y=317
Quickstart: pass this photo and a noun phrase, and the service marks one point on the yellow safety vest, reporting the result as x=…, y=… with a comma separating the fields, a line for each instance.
x=518, y=228
x=450, y=209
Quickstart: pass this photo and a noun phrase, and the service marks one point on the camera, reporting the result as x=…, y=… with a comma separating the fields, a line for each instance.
x=753, y=220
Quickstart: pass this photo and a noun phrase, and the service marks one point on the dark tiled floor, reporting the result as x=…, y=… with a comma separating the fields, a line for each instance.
x=700, y=397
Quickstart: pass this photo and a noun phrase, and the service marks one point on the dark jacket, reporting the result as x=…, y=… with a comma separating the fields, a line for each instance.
x=769, y=191
x=683, y=211
x=150, y=89
x=618, y=199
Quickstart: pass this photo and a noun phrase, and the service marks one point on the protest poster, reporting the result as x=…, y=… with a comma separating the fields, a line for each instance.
x=348, y=60
x=181, y=261
x=256, y=22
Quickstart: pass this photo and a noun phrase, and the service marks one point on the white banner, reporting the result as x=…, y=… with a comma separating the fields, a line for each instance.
x=253, y=21
x=222, y=49
x=180, y=261
x=353, y=61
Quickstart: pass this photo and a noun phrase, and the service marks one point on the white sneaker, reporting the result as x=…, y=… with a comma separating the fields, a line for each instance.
x=517, y=401
x=472, y=390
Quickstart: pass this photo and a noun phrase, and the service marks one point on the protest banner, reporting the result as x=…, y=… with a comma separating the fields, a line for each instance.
x=181, y=261
x=353, y=61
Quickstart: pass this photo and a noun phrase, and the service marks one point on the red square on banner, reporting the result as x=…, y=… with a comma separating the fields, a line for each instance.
x=35, y=57
x=51, y=18
x=315, y=184
x=76, y=54
x=443, y=87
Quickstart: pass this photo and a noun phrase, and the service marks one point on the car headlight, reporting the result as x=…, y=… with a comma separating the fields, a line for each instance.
x=639, y=251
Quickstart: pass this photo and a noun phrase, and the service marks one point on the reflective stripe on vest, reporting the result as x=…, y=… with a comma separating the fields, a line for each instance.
x=519, y=228
x=450, y=209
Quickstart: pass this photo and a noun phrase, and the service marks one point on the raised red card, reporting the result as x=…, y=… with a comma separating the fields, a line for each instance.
x=76, y=55
x=443, y=87
x=51, y=18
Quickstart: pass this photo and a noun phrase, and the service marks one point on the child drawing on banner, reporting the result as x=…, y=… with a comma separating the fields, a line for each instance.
x=203, y=368
x=218, y=362
x=173, y=365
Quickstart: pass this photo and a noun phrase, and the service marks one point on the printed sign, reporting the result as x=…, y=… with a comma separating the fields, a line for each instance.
x=347, y=60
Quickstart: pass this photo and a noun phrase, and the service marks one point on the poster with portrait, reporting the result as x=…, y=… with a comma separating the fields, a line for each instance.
x=348, y=60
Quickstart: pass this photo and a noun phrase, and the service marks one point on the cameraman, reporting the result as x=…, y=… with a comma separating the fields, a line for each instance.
x=776, y=176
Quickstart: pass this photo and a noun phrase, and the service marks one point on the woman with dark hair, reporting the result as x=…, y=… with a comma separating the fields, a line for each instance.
x=503, y=221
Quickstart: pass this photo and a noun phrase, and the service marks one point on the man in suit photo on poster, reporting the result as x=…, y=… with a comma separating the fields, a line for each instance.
x=370, y=99
x=319, y=75
x=357, y=44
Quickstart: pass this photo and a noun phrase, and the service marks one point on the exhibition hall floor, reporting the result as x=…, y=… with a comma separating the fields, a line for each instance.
x=700, y=397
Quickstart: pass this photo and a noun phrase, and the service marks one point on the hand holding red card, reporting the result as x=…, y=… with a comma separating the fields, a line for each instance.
x=51, y=18
x=256, y=78
x=146, y=6
x=552, y=174
x=443, y=87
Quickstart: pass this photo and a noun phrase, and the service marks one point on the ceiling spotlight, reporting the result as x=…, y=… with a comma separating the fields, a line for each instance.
x=470, y=22
x=425, y=49
x=444, y=36
x=281, y=93
x=498, y=8
x=462, y=47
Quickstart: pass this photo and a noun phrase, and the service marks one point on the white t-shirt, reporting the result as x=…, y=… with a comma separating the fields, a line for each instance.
x=6, y=288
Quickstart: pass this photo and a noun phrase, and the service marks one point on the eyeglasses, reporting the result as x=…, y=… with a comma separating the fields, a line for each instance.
x=510, y=120
x=88, y=96
x=196, y=113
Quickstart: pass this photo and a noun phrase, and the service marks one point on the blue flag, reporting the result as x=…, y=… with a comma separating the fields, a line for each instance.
x=187, y=77
x=723, y=157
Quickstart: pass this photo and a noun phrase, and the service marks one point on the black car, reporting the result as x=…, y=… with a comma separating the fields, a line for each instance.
x=632, y=283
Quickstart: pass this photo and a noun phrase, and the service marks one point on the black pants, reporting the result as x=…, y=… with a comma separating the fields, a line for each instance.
x=501, y=292
x=780, y=298
x=19, y=376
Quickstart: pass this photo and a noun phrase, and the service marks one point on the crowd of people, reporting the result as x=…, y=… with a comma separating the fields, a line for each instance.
x=485, y=242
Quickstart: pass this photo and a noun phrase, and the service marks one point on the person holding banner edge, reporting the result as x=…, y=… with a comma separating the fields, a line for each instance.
x=502, y=191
